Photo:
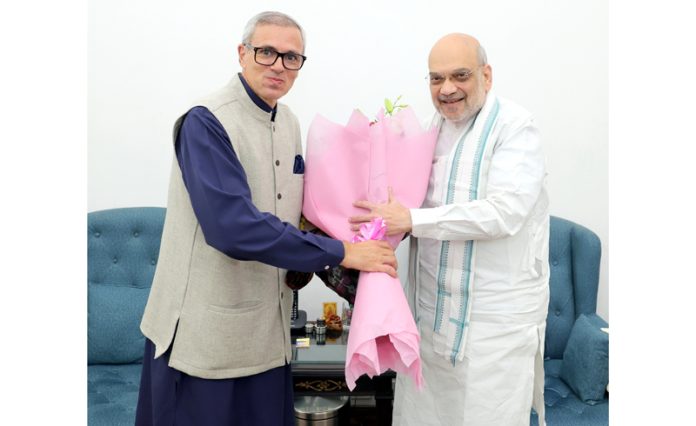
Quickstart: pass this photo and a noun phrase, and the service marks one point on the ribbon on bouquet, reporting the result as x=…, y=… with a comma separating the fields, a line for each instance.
x=373, y=230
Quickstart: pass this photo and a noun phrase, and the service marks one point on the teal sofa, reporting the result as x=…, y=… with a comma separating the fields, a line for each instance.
x=576, y=349
x=122, y=251
x=123, y=247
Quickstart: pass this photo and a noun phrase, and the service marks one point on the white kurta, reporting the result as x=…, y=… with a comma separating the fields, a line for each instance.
x=497, y=371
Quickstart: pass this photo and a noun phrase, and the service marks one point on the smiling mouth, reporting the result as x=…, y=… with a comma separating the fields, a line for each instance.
x=451, y=101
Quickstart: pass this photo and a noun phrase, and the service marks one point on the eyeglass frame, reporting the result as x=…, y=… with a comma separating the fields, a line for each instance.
x=278, y=55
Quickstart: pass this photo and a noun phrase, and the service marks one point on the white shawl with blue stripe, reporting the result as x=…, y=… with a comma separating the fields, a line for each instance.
x=466, y=181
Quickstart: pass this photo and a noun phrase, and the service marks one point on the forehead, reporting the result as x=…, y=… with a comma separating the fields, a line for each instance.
x=278, y=37
x=451, y=56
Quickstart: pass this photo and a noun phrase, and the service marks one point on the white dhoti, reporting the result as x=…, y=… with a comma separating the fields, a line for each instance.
x=501, y=373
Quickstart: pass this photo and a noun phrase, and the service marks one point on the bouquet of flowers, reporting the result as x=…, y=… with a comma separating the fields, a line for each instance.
x=359, y=161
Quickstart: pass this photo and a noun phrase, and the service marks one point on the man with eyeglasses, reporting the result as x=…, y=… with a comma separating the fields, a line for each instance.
x=217, y=321
x=478, y=277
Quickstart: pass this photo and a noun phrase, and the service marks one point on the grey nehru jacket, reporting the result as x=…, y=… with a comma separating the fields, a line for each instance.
x=231, y=317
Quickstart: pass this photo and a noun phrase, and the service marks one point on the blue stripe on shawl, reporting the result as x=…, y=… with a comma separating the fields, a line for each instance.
x=466, y=265
x=441, y=292
x=444, y=248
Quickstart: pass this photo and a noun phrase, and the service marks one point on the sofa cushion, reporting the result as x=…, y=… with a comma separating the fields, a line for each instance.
x=113, y=323
x=112, y=394
x=562, y=405
x=585, y=365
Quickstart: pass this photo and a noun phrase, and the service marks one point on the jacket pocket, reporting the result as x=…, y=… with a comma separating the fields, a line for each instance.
x=232, y=337
x=237, y=308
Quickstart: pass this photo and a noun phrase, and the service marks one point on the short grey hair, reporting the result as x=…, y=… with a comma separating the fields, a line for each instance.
x=481, y=55
x=271, y=18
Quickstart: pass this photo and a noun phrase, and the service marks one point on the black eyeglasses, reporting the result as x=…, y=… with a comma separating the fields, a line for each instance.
x=268, y=56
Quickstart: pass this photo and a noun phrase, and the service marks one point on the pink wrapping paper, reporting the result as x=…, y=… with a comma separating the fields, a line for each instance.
x=360, y=161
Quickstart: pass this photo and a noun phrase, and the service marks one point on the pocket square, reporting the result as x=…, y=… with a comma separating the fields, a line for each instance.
x=298, y=168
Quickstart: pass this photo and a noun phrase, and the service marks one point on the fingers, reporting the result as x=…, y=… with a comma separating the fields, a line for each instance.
x=390, y=191
x=371, y=256
x=384, y=245
x=392, y=262
x=389, y=262
x=363, y=204
x=361, y=219
x=388, y=270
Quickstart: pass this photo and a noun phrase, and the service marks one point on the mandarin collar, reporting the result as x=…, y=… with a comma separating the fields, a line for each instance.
x=257, y=100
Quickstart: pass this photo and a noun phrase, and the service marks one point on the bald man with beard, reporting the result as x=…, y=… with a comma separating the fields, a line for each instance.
x=478, y=270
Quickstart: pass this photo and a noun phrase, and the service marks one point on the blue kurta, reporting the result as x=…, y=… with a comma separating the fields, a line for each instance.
x=170, y=397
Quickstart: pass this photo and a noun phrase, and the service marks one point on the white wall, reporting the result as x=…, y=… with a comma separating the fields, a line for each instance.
x=149, y=59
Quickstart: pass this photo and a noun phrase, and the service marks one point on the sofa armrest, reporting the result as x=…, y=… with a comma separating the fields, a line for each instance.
x=585, y=366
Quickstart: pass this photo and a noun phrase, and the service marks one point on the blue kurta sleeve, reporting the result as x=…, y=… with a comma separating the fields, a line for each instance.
x=221, y=200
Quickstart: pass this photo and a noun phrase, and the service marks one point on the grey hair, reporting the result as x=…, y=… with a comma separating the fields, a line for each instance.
x=271, y=18
x=481, y=55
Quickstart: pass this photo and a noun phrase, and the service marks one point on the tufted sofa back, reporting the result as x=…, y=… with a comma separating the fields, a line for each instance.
x=122, y=249
x=574, y=255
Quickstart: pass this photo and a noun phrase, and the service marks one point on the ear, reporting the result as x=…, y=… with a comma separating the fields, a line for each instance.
x=241, y=52
x=488, y=76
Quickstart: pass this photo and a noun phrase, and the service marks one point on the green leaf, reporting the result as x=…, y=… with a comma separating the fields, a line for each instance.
x=388, y=106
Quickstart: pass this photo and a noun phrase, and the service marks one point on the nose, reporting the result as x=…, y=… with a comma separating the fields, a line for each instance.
x=447, y=88
x=278, y=65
